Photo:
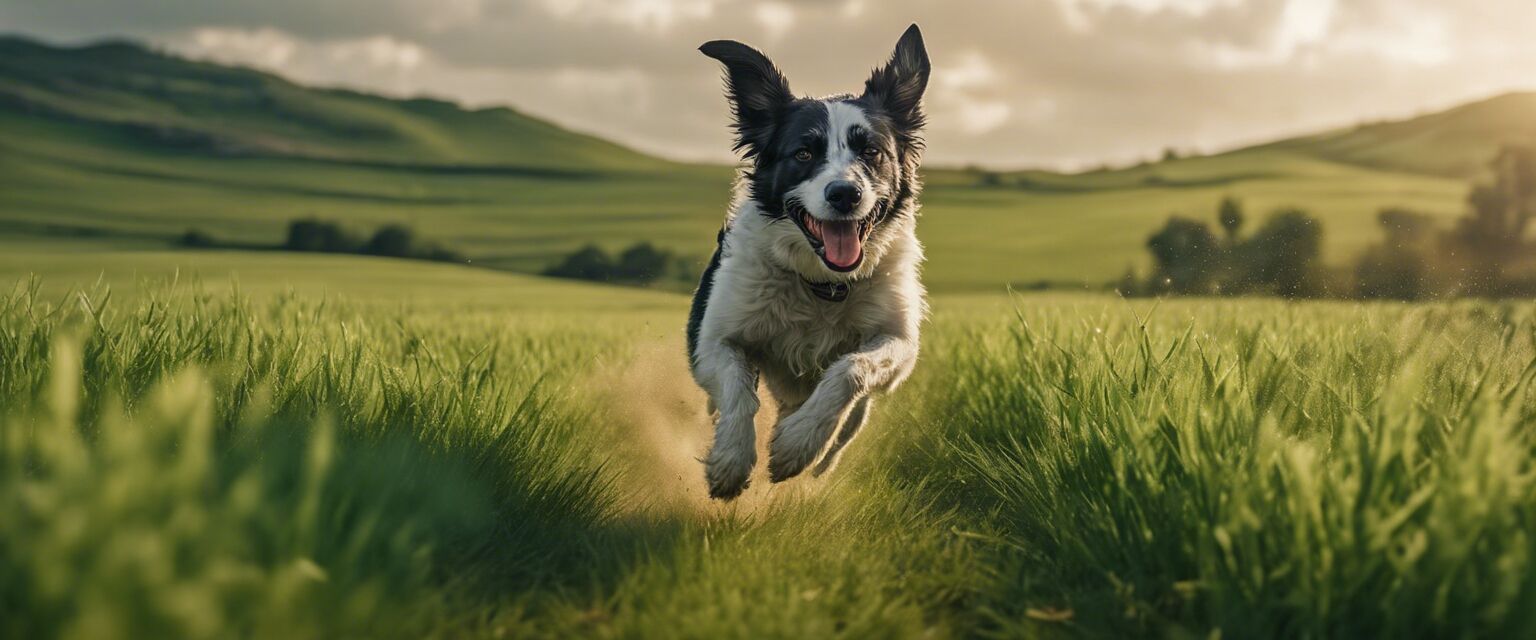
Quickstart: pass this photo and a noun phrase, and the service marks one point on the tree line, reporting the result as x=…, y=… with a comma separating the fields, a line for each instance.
x=1485, y=253
x=641, y=263
x=389, y=241
x=1280, y=258
x=314, y=235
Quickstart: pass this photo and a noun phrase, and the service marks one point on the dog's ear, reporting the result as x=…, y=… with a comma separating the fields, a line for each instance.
x=898, y=86
x=758, y=91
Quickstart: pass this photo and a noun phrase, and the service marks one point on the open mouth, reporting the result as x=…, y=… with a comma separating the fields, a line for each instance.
x=840, y=243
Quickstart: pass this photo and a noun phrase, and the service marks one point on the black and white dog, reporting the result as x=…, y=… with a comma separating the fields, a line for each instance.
x=814, y=285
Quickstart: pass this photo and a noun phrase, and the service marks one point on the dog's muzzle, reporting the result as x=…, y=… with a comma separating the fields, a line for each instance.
x=839, y=243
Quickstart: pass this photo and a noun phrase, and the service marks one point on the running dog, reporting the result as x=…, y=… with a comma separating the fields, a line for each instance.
x=813, y=286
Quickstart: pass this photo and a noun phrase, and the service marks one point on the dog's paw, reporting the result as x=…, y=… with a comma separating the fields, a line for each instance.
x=727, y=474
x=796, y=442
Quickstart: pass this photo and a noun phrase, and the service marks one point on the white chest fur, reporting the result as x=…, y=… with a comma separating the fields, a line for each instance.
x=791, y=326
x=773, y=317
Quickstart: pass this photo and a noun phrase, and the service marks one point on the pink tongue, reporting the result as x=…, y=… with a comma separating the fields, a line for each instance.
x=841, y=244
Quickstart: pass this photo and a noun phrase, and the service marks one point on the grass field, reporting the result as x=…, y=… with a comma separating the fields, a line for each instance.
x=287, y=465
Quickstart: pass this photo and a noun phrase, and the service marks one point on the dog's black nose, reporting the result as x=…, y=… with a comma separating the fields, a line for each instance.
x=843, y=195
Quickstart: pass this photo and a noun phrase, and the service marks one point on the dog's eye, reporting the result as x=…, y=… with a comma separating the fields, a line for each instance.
x=870, y=153
x=803, y=155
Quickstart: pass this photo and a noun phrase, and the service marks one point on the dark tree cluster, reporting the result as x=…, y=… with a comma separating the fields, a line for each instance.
x=1280, y=258
x=641, y=263
x=321, y=236
x=197, y=239
x=390, y=241
x=1487, y=253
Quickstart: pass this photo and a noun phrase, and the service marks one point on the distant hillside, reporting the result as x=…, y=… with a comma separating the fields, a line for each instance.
x=117, y=149
x=167, y=102
x=1457, y=142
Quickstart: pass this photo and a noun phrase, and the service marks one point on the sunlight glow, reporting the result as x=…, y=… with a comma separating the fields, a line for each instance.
x=776, y=17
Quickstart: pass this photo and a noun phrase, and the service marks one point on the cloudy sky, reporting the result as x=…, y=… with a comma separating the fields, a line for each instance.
x=1063, y=83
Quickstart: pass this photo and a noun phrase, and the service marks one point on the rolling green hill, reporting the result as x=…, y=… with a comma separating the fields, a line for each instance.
x=117, y=142
x=1457, y=142
x=167, y=102
x=118, y=147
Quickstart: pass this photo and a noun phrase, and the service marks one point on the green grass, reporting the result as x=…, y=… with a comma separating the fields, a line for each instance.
x=1259, y=468
x=195, y=465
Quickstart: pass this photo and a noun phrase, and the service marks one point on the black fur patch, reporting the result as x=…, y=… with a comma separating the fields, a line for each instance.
x=776, y=171
x=701, y=299
x=757, y=90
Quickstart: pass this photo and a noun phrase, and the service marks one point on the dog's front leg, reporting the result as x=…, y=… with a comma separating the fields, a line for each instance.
x=731, y=383
x=881, y=365
x=845, y=435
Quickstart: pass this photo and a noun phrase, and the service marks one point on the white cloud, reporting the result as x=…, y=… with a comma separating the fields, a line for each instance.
x=1302, y=23
x=971, y=70
x=1080, y=15
x=1192, y=7
x=962, y=98
x=1413, y=36
x=658, y=15
x=379, y=63
x=382, y=52
x=277, y=50
x=776, y=18
x=264, y=48
x=976, y=118
x=1300, y=28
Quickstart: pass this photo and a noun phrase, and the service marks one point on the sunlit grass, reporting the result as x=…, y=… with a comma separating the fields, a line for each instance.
x=197, y=465
x=1254, y=467
x=191, y=466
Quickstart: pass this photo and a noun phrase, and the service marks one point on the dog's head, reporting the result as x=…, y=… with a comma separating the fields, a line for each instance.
x=834, y=176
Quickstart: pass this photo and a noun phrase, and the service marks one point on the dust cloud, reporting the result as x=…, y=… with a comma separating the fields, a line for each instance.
x=662, y=433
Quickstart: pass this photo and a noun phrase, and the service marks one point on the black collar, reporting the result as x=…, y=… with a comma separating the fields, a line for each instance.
x=829, y=291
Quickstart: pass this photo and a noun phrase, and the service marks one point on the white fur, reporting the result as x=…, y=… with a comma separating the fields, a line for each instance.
x=841, y=164
x=820, y=360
